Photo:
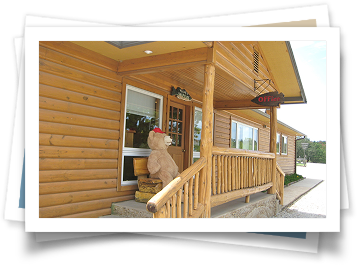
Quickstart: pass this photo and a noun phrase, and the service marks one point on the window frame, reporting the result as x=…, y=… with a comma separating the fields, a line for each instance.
x=195, y=154
x=278, y=141
x=131, y=151
x=237, y=132
x=286, y=137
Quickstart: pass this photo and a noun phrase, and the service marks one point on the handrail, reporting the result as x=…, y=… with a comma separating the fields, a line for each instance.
x=240, y=152
x=280, y=170
x=280, y=175
x=162, y=197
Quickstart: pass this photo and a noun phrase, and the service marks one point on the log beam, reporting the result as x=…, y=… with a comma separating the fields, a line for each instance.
x=237, y=104
x=273, y=131
x=206, y=139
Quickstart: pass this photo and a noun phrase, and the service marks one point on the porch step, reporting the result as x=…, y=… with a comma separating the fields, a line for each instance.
x=261, y=205
x=129, y=209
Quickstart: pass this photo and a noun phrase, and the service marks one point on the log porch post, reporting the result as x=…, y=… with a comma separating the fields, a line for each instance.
x=206, y=138
x=273, y=130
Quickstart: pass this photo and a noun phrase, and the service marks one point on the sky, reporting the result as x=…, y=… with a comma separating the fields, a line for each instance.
x=309, y=118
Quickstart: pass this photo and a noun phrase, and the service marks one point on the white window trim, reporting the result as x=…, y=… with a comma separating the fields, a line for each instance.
x=129, y=151
x=195, y=154
x=254, y=128
x=286, y=137
x=278, y=138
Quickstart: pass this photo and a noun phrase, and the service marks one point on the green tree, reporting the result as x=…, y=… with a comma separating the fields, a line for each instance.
x=315, y=153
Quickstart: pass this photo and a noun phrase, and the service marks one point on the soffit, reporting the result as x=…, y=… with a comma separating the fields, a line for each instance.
x=137, y=51
x=192, y=80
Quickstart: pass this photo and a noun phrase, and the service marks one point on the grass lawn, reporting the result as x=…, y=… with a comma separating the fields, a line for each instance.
x=291, y=178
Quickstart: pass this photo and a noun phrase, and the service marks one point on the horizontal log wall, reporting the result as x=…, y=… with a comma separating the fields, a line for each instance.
x=222, y=129
x=287, y=162
x=79, y=100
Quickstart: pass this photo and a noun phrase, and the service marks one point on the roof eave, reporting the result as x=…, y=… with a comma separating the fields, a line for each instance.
x=297, y=75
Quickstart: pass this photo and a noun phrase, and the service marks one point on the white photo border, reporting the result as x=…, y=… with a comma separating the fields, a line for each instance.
x=35, y=224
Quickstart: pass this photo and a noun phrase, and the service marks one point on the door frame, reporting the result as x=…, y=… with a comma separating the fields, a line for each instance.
x=187, y=159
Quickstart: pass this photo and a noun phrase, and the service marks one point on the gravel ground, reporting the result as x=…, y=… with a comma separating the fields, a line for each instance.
x=311, y=205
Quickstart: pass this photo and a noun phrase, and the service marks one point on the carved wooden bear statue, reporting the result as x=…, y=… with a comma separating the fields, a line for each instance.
x=160, y=163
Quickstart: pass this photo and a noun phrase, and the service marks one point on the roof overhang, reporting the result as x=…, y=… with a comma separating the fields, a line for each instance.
x=169, y=56
x=281, y=61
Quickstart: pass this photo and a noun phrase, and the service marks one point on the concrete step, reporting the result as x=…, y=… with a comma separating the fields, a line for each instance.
x=260, y=205
x=130, y=209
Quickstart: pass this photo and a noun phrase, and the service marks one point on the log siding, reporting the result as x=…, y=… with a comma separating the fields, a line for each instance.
x=80, y=99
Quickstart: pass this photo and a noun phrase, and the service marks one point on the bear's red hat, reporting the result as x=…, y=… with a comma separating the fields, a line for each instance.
x=158, y=130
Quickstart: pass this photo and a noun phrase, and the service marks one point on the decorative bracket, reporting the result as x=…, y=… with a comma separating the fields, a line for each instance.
x=257, y=85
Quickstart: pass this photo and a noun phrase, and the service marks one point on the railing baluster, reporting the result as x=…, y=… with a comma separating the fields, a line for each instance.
x=244, y=169
x=185, y=200
x=195, y=204
x=179, y=196
x=219, y=174
x=173, y=206
x=229, y=173
x=190, y=197
x=233, y=172
x=225, y=173
x=264, y=172
x=168, y=209
x=214, y=174
x=239, y=172
x=250, y=177
x=255, y=171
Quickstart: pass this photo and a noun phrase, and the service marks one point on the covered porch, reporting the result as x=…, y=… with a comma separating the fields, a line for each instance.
x=222, y=76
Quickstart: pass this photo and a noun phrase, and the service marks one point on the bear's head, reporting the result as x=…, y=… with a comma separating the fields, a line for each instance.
x=158, y=140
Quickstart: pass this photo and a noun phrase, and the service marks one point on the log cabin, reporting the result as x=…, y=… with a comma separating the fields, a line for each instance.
x=98, y=101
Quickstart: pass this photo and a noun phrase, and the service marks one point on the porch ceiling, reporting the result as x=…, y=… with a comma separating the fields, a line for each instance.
x=182, y=62
x=192, y=79
x=137, y=50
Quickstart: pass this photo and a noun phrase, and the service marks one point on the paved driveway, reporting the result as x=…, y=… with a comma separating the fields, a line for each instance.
x=312, y=171
x=312, y=204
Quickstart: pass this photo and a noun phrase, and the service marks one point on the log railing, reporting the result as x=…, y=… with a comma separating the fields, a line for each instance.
x=280, y=177
x=180, y=198
x=235, y=174
x=239, y=173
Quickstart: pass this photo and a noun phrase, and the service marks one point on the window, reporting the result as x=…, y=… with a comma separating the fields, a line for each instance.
x=244, y=136
x=278, y=143
x=143, y=113
x=284, y=145
x=197, y=129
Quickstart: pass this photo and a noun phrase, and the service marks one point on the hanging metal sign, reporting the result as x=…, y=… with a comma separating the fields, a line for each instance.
x=304, y=145
x=180, y=93
x=269, y=99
